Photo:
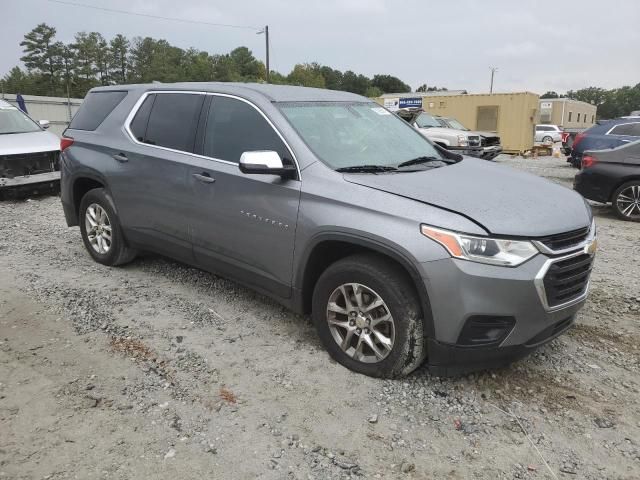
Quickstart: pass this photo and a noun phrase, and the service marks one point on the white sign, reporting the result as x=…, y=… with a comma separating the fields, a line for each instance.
x=392, y=104
x=547, y=105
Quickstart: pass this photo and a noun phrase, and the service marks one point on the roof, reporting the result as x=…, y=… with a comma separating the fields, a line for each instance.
x=424, y=94
x=5, y=104
x=275, y=93
x=565, y=99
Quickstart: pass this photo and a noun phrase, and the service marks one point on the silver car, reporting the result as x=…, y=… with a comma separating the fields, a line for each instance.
x=28, y=153
x=548, y=133
x=336, y=208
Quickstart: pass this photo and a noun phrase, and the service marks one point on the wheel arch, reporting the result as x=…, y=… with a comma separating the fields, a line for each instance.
x=328, y=248
x=81, y=184
x=626, y=179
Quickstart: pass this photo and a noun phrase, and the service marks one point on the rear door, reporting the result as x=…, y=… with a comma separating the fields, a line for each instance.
x=243, y=225
x=150, y=184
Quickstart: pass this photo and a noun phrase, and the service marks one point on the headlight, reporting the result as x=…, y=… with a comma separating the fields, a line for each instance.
x=462, y=141
x=494, y=251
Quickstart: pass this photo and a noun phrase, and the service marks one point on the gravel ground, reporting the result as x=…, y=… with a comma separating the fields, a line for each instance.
x=158, y=370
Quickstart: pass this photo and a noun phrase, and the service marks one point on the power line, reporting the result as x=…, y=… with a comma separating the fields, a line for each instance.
x=158, y=17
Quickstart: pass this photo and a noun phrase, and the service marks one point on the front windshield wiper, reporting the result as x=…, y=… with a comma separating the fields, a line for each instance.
x=366, y=168
x=418, y=160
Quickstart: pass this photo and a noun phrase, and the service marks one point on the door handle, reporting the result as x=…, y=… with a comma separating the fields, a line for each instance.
x=203, y=177
x=120, y=157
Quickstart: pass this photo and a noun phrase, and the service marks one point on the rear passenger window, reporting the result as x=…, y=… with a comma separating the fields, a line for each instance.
x=173, y=120
x=95, y=108
x=631, y=129
x=234, y=127
x=139, y=124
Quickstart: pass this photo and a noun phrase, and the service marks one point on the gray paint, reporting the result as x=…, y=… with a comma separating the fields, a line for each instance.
x=628, y=153
x=261, y=229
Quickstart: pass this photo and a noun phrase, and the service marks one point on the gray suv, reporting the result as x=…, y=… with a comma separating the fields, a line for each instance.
x=400, y=250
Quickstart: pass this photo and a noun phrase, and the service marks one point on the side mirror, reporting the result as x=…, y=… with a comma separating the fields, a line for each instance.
x=44, y=123
x=265, y=162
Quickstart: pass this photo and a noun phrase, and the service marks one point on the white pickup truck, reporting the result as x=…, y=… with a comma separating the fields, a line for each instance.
x=452, y=135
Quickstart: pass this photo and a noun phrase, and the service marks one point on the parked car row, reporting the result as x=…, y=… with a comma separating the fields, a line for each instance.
x=29, y=155
x=603, y=135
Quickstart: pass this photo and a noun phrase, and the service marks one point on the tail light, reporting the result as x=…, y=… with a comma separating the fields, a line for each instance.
x=588, y=161
x=565, y=136
x=65, y=142
x=578, y=139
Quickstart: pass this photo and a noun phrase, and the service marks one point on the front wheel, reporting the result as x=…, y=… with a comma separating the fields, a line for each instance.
x=101, y=231
x=626, y=201
x=368, y=316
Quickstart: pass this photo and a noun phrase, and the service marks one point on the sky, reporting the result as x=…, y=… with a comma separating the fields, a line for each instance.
x=536, y=45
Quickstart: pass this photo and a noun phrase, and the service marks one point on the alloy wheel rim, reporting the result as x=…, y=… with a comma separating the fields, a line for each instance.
x=98, y=228
x=360, y=323
x=629, y=201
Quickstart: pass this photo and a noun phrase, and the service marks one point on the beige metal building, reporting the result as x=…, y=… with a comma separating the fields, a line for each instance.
x=512, y=115
x=567, y=113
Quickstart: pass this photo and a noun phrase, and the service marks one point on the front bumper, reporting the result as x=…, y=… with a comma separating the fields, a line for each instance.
x=486, y=153
x=30, y=184
x=461, y=292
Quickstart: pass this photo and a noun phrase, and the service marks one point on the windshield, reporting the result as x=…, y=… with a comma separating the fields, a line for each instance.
x=13, y=120
x=453, y=123
x=425, y=120
x=348, y=134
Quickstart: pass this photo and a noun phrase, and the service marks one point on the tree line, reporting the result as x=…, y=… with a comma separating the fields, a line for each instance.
x=613, y=103
x=54, y=68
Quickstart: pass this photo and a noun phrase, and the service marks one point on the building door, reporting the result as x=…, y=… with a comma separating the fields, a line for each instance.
x=487, y=118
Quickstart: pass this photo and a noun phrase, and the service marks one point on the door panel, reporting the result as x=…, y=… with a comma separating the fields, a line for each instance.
x=243, y=225
x=150, y=184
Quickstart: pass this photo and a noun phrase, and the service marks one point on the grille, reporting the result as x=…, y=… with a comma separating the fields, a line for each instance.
x=490, y=141
x=563, y=241
x=28, y=164
x=567, y=279
x=474, y=141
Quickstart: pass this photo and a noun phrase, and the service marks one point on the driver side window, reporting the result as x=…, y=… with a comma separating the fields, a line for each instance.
x=234, y=127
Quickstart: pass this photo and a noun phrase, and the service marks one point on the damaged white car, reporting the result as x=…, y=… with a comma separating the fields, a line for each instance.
x=29, y=155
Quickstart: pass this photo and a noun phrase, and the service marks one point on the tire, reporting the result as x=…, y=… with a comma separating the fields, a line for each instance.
x=547, y=139
x=626, y=201
x=370, y=276
x=97, y=207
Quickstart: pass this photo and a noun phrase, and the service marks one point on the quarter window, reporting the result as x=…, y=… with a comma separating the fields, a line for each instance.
x=173, y=121
x=234, y=127
x=139, y=124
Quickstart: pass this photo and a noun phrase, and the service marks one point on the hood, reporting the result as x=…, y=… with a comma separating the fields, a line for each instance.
x=483, y=134
x=16, y=143
x=502, y=200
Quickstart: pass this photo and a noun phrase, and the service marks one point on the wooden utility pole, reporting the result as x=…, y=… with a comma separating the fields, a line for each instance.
x=493, y=71
x=265, y=30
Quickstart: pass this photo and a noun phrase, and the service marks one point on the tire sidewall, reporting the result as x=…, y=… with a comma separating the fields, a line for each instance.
x=405, y=312
x=614, y=201
x=100, y=197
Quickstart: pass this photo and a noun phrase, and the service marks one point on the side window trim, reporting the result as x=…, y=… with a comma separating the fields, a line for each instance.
x=140, y=101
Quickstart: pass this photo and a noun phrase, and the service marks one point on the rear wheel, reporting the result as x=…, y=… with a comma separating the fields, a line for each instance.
x=368, y=316
x=547, y=139
x=101, y=231
x=626, y=201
